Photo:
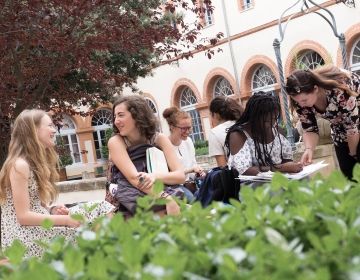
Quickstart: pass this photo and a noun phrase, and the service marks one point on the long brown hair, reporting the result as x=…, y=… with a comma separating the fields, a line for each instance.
x=303, y=81
x=25, y=144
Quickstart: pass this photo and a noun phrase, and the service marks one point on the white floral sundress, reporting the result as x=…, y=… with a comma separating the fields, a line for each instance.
x=11, y=229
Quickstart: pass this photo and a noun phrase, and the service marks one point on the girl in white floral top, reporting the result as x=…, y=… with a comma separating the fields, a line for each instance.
x=254, y=142
x=332, y=94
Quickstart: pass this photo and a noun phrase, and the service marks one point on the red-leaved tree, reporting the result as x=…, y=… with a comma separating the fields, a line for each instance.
x=62, y=55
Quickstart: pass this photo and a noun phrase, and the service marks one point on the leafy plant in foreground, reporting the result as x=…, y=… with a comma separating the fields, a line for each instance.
x=283, y=230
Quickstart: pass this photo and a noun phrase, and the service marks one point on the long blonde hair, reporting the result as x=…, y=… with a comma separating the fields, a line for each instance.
x=25, y=144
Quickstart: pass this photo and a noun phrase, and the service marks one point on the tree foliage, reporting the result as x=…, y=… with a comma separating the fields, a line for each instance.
x=63, y=55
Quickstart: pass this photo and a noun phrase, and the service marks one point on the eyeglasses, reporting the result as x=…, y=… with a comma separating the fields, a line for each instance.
x=184, y=129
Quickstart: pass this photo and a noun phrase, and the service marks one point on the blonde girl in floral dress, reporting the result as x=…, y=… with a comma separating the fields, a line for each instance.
x=27, y=188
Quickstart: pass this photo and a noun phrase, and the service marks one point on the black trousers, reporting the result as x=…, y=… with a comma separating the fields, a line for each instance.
x=346, y=162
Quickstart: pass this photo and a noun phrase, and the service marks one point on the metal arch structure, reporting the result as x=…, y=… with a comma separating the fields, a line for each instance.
x=306, y=6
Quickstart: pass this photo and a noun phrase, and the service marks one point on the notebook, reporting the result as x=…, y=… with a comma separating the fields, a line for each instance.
x=156, y=161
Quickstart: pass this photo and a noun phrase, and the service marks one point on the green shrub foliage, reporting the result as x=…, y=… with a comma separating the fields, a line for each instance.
x=282, y=230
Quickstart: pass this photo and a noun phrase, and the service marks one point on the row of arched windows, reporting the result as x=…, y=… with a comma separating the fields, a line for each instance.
x=263, y=79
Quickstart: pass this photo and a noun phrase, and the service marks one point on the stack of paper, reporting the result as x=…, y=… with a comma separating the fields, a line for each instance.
x=156, y=161
x=266, y=176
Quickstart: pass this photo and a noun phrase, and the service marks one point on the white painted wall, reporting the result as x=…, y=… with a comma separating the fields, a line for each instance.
x=308, y=27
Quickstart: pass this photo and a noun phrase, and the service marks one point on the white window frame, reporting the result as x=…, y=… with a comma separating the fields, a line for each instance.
x=313, y=64
x=97, y=130
x=265, y=87
x=355, y=67
x=224, y=86
x=67, y=130
x=197, y=129
x=246, y=4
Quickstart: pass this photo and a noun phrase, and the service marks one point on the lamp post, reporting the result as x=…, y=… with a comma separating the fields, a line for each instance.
x=282, y=24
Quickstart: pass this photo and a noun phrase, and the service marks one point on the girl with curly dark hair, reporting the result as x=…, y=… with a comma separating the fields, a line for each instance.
x=135, y=129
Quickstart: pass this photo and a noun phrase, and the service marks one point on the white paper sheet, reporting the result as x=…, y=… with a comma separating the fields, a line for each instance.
x=266, y=176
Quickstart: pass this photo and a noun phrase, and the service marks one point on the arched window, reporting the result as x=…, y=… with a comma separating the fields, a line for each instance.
x=222, y=87
x=355, y=58
x=187, y=103
x=263, y=80
x=309, y=60
x=67, y=136
x=101, y=121
x=151, y=105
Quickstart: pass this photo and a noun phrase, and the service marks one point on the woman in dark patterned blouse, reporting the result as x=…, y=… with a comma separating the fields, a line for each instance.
x=332, y=94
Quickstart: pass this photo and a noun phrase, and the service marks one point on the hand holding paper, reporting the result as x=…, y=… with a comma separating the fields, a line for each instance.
x=267, y=176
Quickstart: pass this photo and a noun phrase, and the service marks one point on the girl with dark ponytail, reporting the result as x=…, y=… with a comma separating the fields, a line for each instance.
x=224, y=112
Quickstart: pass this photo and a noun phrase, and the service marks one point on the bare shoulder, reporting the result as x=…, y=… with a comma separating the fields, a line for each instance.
x=115, y=141
x=237, y=140
x=21, y=167
x=237, y=136
x=162, y=140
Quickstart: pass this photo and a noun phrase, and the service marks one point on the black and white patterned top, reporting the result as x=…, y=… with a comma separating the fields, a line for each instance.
x=342, y=112
x=245, y=157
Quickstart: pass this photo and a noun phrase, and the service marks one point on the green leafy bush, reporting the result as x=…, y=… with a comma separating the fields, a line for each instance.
x=104, y=148
x=64, y=153
x=202, y=151
x=283, y=230
x=201, y=147
x=201, y=144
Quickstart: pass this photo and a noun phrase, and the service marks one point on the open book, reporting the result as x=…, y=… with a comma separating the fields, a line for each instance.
x=266, y=176
x=156, y=161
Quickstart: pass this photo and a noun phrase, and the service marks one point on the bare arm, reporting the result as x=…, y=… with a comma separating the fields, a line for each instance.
x=221, y=160
x=19, y=180
x=120, y=157
x=353, y=141
x=310, y=141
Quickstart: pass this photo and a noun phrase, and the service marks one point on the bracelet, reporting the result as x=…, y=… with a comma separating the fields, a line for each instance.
x=309, y=148
x=164, y=195
x=51, y=208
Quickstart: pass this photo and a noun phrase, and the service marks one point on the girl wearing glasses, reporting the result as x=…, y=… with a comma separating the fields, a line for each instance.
x=180, y=127
x=332, y=94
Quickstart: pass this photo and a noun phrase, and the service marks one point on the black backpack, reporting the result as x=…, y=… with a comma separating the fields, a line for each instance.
x=219, y=184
